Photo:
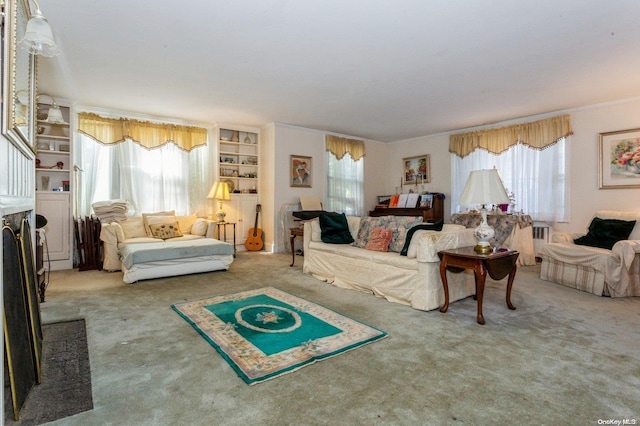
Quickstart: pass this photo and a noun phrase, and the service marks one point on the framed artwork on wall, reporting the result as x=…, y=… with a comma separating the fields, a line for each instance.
x=619, y=159
x=300, y=171
x=416, y=170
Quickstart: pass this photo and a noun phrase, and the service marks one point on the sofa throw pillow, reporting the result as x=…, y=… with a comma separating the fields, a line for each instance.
x=367, y=224
x=421, y=226
x=186, y=222
x=335, y=229
x=133, y=227
x=157, y=220
x=400, y=225
x=146, y=215
x=165, y=231
x=199, y=227
x=604, y=233
x=379, y=239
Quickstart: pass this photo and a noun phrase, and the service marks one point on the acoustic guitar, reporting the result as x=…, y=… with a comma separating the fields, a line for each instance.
x=254, y=239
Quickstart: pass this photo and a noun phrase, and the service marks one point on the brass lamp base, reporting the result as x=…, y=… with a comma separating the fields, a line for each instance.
x=480, y=249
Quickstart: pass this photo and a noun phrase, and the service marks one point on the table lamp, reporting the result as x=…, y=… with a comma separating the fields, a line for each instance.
x=484, y=187
x=220, y=191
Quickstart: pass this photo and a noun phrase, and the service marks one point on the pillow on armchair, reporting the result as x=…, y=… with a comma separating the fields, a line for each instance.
x=604, y=233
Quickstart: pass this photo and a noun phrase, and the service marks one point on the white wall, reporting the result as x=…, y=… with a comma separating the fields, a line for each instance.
x=437, y=147
x=267, y=189
x=376, y=170
x=291, y=140
x=584, y=196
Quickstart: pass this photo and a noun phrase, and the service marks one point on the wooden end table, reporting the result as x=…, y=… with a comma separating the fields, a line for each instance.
x=498, y=264
x=295, y=232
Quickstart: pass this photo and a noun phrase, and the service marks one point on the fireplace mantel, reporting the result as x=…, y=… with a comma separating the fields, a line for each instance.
x=11, y=205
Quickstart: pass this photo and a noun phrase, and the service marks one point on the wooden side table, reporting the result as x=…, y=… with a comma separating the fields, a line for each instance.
x=295, y=232
x=223, y=225
x=498, y=264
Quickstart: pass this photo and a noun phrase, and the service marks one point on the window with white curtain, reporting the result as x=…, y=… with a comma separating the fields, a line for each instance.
x=537, y=178
x=345, y=185
x=158, y=179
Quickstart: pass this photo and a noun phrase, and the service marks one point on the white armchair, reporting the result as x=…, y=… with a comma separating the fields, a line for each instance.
x=611, y=272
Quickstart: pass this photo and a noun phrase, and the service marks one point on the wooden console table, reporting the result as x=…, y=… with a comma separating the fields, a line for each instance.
x=499, y=264
x=433, y=214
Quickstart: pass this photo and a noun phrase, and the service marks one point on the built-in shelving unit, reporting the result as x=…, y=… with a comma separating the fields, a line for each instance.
x=239, y=155
x=54, y=184
x=53, y=151
x=239, y=166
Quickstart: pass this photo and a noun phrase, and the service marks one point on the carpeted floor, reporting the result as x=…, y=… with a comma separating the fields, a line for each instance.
x=563, y=357
x=66, y=376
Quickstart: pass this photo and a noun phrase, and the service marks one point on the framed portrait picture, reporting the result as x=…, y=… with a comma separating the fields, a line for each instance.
x=300, y=171
x=619, y=159
x=416, y=170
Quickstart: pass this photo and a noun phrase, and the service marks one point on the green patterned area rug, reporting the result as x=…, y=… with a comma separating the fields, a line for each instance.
x=265, y=333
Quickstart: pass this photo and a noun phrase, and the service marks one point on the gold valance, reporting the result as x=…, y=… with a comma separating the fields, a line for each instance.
x=339, y=146
x=537, y=134
x=149, y=135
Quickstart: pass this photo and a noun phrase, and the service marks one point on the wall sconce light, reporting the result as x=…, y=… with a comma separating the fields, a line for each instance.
x=38, y=37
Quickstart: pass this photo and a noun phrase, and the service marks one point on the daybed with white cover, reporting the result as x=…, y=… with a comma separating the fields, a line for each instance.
x=611, y=272
x=131, y=246
x=412, y=280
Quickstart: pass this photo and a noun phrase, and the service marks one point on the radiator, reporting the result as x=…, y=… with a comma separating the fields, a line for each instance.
x=540, y=236
x=287, y=221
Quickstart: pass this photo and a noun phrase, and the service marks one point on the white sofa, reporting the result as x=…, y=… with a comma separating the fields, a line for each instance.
x=129, y=247
x=600, y=271
x=412, y=280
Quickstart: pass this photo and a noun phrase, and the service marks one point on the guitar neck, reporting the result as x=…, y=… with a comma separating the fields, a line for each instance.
x=255, y=225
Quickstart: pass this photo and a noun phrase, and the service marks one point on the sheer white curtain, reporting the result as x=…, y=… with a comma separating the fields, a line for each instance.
x=538, y=178
x=164, y=178
x=345, y=185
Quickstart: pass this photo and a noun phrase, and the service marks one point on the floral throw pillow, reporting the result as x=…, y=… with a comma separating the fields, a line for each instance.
x=379, y=239
x=165, y=230
x=400, y=225
x=367, y=224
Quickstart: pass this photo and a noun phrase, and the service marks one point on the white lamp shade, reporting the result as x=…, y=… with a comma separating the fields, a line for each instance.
x=38, y=37
x=220, y=191
x=484, y=187
x=55, y=115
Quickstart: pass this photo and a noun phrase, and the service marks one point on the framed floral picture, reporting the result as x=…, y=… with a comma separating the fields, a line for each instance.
x=619, y=159
x=300, y=171
x=416, y=170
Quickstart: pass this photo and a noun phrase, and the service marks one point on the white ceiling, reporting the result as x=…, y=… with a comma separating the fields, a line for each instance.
x=385, y=70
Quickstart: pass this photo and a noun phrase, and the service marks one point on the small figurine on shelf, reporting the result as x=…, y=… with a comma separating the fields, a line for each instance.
x=59, y=164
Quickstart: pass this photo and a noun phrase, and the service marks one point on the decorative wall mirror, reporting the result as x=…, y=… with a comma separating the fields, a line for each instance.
x=18, y=79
